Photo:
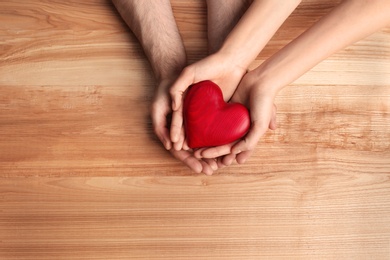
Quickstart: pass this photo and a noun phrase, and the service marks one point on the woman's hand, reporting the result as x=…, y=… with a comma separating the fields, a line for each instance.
x=260, y=101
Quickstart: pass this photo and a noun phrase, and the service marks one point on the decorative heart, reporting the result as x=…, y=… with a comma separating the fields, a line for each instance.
x=209, y=120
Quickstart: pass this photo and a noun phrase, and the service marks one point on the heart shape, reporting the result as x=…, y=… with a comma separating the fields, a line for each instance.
x=209, y=120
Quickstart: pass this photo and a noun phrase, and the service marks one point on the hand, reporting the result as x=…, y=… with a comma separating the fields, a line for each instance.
x=260, y=100
x=160, y=111
x=216, y=68
x=204, y=165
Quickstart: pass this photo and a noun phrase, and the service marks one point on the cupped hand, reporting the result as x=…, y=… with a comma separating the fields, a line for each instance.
x=160, y=112
x=260, y=101
x=204, y=165
x=216, y=68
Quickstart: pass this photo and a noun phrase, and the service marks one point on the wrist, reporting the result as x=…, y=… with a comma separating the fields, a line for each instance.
x=232, y=65
x=169, y=71
x=234, y=55
x=266, y=81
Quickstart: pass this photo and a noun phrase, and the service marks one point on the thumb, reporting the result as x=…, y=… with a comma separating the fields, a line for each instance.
x=250, y=141
x=185, y=79
x=273, y=123
x=261, y=115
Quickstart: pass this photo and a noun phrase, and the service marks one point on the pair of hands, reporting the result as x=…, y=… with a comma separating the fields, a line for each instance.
x=237, y=85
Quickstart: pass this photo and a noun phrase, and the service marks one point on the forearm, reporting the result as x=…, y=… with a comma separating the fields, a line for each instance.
x=346, y=24
x=255, y=29
x=154, y=25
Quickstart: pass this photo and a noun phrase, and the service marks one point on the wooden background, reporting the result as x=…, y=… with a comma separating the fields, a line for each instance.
x=83, y=177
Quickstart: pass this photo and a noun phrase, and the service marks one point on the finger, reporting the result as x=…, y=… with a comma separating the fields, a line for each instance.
x=251, y=139
x=261, y=113
x=206, y=168
x=217, y=151
x=212, y=163
x=273, y=124
x=186, y=157
x=176, y=125
x=185, y=145
x=163, y=134
x=178, y=88
x=220, y=162
x=159, y=121
x=243, y=157
x=228, y=159
x=180, y=142
x=198, y=152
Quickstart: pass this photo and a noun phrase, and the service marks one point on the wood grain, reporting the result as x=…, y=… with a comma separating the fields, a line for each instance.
x=83, y=177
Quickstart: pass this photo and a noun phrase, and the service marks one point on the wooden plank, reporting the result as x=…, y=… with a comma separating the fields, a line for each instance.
x=299, y=215
x=83, y=177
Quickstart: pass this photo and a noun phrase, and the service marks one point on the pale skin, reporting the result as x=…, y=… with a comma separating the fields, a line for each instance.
x=154, y=25
x=347, y=23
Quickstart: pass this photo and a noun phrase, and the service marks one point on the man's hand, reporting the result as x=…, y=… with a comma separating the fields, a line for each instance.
x=220, y=70
x=204, y=165
x=160, y=111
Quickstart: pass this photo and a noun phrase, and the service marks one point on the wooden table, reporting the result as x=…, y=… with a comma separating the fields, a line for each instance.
x=83, y=177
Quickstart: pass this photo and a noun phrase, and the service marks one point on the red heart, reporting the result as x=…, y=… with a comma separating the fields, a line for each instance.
x=209, y=120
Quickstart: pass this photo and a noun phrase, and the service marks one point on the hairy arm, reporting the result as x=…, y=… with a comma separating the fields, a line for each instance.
x=154, y=25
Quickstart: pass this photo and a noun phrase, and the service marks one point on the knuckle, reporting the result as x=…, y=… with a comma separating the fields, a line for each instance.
x=249, y=145
x=176, y=126
x=187, y=70
x=173, y=91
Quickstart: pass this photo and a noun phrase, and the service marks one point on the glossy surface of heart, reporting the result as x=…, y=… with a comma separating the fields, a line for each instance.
x=209, y=120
